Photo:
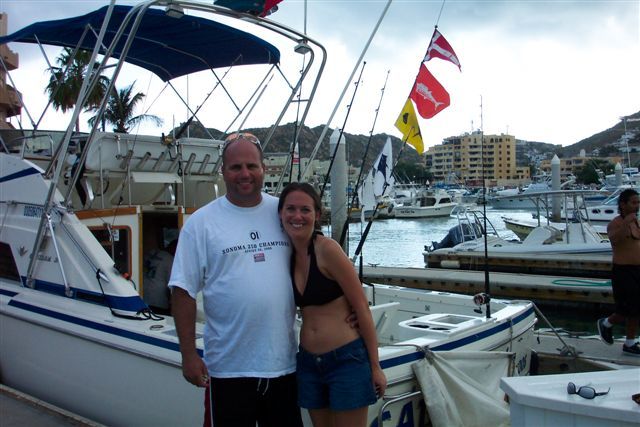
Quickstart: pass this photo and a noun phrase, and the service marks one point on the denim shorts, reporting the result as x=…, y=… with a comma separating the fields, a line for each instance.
x=340, y=379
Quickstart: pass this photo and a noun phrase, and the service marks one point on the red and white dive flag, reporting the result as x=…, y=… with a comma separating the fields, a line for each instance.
x=440, y=48
x=428, y=94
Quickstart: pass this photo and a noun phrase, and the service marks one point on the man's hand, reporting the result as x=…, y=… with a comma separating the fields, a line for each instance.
x=195, y=371
x=352, y=320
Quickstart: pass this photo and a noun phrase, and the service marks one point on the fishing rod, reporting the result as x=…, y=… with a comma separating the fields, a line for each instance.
x=346, y=117
x=345, y=227
x=486, y=298
x=375, y=209
x=344, y=90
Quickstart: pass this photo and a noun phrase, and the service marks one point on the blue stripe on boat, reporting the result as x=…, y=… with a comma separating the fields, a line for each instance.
x=130, y=303
x=19, y=174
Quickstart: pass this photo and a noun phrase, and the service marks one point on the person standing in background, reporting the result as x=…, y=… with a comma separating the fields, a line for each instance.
x=624, y=234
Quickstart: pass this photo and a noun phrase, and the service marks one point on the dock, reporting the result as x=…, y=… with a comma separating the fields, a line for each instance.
x=508, y=285
x=18, y=409
x=572, y=265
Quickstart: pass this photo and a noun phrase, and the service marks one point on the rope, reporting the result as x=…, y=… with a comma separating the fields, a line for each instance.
x=144, y=314
x=581, y=282
x=570, y=350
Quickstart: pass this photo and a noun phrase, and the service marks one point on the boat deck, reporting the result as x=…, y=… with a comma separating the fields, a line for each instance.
x=510, y=285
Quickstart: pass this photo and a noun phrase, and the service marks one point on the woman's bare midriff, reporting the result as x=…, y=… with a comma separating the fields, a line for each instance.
x=325, y=328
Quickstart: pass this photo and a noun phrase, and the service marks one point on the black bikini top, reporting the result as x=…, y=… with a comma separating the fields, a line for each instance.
x=319, y=289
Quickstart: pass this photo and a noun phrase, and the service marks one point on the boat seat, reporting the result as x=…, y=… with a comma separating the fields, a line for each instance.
x=580, y=233
x=543, y=235
x=382, y=314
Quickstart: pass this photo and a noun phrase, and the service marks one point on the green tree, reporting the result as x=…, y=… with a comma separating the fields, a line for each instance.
x=120, y=110
x=64, y=87
x=590, y=172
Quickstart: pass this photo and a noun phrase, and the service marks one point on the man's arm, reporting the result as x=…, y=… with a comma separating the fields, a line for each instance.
x=184, y=314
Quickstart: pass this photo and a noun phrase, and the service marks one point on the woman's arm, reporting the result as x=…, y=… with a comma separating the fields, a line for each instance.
x=335, y=264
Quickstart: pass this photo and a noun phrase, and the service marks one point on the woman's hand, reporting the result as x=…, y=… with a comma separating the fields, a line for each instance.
x=379, y=380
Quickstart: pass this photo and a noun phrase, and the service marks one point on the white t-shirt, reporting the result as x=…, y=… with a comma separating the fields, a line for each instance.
x=239, y=258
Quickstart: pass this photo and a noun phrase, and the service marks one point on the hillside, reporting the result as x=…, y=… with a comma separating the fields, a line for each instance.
x=605, y=139
x=283, y=136
x=604, y=142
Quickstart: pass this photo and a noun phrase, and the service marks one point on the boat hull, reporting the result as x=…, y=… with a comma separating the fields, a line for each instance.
x=92, y=367
x=423, y=212
x=115, y=371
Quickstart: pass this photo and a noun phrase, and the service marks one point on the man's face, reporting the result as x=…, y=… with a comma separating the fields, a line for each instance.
x=631, y=206
x=243, y=173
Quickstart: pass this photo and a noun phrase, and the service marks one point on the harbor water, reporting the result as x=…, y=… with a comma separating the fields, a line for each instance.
x=401, y=243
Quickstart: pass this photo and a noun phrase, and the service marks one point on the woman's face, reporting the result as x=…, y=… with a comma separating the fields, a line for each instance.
x=298, y=215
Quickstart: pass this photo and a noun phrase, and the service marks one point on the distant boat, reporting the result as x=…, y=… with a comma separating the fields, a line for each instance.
x=427, y=204
x=578, y=238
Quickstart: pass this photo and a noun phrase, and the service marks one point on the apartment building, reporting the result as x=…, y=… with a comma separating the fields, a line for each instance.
x=571, y=165
x=462, y=156
x=9, y=97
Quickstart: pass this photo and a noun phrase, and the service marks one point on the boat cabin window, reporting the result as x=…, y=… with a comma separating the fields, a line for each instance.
x=118, y=245
x=8, y=268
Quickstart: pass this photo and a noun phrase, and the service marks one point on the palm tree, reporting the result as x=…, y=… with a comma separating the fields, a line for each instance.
x=64, y=87
x=120, y=108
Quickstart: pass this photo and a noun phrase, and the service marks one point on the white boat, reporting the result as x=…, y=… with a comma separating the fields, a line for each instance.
x=522, y=227
x=518, y=198
x=601, y=213
x=427, y=204
x=74, y=328
x=469, y=236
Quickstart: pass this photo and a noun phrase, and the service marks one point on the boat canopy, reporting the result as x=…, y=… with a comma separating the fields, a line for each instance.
x=168, y=47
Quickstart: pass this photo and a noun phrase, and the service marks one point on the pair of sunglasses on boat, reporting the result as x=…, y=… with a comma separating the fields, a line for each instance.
x=585, y=391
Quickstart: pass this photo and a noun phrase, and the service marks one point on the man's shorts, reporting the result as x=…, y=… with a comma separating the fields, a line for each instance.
x=340, y=379
x=625, y=281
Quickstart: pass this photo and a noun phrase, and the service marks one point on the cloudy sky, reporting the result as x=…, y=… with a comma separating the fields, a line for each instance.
x=552, y=71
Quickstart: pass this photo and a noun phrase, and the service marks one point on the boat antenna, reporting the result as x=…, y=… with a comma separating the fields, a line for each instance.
x=346, y=117
x=487, y=297
x=345, y=227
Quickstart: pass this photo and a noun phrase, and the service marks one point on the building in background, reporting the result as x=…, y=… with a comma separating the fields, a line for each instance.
x=9, y=97
x=461, y=156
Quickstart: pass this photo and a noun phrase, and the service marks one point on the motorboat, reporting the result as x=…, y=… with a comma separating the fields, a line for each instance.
x=601, y=213
x=469, y=236
x=427, y=204
x=77, y=210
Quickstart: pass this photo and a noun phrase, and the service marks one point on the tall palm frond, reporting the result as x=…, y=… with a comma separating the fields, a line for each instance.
x=66, y=80
x=120, y=110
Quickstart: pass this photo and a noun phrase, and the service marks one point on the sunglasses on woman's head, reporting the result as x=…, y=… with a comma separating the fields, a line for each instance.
x=585, y=391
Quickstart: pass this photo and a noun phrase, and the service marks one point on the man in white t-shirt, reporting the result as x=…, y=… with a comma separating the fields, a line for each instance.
x=235, y=252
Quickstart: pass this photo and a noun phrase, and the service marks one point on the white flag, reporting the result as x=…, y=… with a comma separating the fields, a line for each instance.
x=382, y=169
x=365, y=194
